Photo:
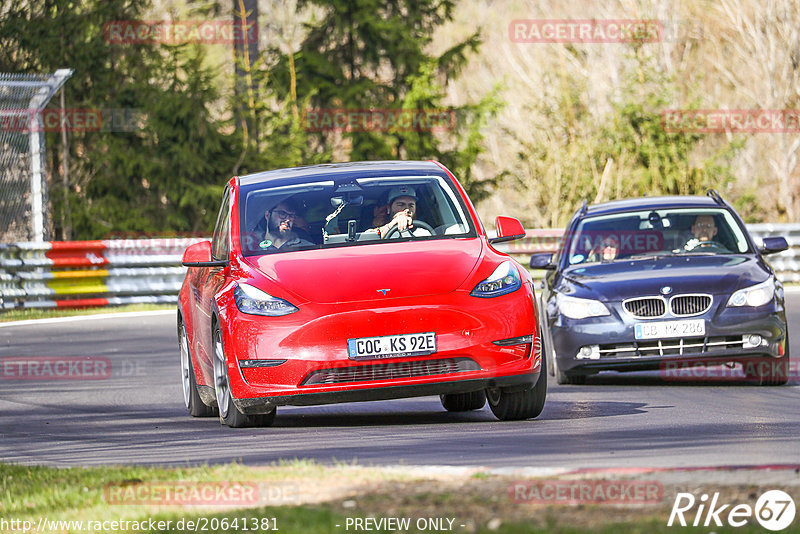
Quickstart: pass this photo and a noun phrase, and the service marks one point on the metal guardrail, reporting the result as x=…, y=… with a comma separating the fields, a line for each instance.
x=786, y=263
x=129, y=271
x=75, y=274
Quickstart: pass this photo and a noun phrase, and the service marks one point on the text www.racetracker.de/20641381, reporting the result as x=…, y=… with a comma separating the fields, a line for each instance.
x=194, y=524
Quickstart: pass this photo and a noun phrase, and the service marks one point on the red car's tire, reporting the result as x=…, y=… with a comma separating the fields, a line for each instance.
x=463, y=402
x=191, y=398
x=229, y=414
x=521, y=404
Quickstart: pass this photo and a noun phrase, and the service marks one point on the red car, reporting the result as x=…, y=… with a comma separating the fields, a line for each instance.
x=355, y=282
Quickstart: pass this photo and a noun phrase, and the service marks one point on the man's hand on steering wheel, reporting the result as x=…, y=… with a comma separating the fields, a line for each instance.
x=697, y=244
x=415, y=223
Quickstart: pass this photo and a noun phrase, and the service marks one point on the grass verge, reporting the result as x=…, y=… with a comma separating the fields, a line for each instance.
x=303, y=497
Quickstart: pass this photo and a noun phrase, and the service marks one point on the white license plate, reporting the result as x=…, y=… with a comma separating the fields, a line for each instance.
x=667, y=329
x=368, y=348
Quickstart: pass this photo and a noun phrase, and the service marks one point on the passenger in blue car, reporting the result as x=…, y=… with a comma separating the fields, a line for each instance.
x=608, y=250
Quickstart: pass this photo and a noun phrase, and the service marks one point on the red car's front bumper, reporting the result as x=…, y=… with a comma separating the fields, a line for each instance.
x=307, y=362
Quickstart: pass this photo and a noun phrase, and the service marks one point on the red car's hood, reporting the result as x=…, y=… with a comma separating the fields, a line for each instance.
x=404, y=269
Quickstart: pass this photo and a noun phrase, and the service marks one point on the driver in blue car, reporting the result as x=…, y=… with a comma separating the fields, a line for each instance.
x=704, y=230
x=402, y=210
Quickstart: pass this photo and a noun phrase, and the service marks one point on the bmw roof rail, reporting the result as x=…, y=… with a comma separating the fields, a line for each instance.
x=716, y=196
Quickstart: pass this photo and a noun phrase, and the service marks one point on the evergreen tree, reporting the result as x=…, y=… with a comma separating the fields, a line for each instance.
x=371, y=55
x=164, y=177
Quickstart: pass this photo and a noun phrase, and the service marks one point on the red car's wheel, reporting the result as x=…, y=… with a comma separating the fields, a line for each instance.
x=191, y=398
x=228, y=413
x=525, y=404
x=463, y=402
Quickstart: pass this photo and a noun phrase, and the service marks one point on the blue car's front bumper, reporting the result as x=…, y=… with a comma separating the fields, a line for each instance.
x=587, y=346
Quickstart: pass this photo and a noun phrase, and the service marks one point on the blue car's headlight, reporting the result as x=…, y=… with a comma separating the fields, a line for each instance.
x=576, y=308
x=756, y=295
x=505, y=279
x=254, y=301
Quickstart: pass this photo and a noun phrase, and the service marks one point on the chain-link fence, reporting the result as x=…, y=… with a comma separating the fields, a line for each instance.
x=23, y=176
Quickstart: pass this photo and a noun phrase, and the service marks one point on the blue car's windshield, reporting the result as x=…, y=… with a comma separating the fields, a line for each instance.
x=654, y=233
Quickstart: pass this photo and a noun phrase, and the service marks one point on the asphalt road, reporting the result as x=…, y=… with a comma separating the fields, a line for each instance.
x=131, y=411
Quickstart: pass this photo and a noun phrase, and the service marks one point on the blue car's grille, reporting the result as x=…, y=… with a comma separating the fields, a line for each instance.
x=646, y=307
x=686, y=305
x=679, y=306
x=671, y=347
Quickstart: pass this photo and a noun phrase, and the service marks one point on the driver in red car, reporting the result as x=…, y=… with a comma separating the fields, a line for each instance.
x=402, y=211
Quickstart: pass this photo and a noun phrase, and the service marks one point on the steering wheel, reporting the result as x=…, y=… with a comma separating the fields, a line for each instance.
x=712, y=245
x=415, y=224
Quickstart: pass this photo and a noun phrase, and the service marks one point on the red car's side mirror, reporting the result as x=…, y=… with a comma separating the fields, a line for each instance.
x=199, y=255
x=508, y=229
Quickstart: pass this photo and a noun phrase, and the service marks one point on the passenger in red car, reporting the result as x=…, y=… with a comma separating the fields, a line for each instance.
x=280, y=233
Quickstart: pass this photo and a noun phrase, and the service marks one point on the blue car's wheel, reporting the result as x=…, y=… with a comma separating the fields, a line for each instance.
x=770, y=373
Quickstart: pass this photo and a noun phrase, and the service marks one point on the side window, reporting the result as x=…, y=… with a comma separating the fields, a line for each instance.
x=219, y=242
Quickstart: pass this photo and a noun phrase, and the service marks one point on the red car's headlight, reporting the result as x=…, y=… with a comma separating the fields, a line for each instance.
x=250, y=299
x=505, y=279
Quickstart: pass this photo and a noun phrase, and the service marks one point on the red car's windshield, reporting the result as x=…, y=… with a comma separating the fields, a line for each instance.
x=357, y=211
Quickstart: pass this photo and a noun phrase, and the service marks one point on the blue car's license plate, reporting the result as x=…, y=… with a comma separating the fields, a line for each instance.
x=670, y=329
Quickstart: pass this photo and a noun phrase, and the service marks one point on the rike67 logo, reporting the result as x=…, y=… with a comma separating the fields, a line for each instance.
x=774, y=510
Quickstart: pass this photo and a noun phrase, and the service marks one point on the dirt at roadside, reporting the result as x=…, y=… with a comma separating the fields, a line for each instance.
x=476, y=498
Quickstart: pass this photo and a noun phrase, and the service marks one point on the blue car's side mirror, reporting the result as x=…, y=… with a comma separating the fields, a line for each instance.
x=542, y=260
x=773, y=244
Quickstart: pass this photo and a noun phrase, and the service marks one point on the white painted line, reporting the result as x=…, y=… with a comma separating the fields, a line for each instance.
x=29, y=322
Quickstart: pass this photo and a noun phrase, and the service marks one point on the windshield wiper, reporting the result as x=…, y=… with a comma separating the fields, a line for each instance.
x=648, y=255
